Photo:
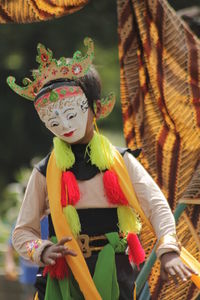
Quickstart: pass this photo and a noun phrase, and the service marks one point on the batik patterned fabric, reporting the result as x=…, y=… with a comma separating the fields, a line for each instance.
x=32, y=246
x=160, y=95
x=27, y=11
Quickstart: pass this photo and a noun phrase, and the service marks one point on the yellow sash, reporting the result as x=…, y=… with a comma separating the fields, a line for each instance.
x=77, y=264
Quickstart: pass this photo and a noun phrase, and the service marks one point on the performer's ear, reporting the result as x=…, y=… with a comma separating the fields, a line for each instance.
x=98, y=109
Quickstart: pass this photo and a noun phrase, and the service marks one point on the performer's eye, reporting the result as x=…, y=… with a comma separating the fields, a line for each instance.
x=54, y=124
x=71, y=116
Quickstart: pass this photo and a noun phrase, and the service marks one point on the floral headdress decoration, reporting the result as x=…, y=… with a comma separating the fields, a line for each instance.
x=51, y=69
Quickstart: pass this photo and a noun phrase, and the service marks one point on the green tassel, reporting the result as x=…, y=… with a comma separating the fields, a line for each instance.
x=101, y=152
x=72, y=219
x=64, y=156
x=128, y=220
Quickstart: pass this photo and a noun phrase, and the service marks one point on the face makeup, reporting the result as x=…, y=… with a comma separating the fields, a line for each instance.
x=66, y=117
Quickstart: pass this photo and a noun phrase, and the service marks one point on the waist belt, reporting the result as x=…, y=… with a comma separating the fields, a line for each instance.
x=89, y=244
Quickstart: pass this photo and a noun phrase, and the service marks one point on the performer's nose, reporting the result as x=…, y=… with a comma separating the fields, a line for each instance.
x=66, y=124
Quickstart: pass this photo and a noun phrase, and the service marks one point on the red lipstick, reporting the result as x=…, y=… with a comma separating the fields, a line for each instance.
x=69, y=134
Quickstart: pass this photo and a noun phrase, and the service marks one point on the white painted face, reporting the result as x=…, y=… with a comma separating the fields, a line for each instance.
x=66, y=118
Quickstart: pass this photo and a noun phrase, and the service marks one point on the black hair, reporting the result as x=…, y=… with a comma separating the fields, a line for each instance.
x=89, y=83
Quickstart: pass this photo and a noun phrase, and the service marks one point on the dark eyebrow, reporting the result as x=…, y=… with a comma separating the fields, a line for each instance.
x=68, y=109
x=63, y=113
x=52, y=118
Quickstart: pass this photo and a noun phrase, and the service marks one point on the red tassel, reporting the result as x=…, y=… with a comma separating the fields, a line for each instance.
x=59, y=270
x=72, y=187
x=136, y=252
x=112, y=189
x=63, y=192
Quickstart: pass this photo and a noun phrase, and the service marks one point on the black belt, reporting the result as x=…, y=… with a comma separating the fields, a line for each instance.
x=89, y=244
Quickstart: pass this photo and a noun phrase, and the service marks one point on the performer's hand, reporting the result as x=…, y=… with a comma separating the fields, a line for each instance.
x=172, y=265
x=51, y=253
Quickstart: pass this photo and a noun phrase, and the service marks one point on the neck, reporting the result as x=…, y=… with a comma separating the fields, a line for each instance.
x=85, y=140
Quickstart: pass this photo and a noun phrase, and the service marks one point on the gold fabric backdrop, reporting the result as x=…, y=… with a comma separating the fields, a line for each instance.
x=28, y=11
x=160, y=96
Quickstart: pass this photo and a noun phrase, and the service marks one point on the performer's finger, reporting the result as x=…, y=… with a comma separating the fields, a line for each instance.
x=50, y=261
x=70, y=252
x=60, y=249
x=64, y=240
x=54, y=255
x=186, y=272
x=191, y=270
x=180, y=273
x=171, y=272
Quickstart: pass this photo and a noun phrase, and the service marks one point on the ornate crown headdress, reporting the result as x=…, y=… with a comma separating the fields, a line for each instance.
x=52, y=69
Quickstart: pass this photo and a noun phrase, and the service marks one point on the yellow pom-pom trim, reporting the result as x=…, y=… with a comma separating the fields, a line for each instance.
x=64, y=156
x=101, y=152
x=128, y=220
x=72, y=219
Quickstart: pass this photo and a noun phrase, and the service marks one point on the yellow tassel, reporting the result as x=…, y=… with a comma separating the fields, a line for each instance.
x=72, y=219
x=64, y=156
x=101, y=151
x=128, y=220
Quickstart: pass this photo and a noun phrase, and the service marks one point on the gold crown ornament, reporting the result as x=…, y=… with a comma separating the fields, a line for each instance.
x=51, y=69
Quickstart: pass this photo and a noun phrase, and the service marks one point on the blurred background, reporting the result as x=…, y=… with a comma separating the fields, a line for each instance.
x=24, y=138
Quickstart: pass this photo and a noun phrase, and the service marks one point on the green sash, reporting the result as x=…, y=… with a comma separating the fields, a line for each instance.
x=105, y=275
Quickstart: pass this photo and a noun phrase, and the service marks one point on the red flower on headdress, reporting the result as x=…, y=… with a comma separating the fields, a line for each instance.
x=44, y=57
x=39, y=83
x=76, y=69
x=64, y=70
x=54, y=72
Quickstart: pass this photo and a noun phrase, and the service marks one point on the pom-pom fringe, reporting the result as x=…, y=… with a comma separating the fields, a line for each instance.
x=72, y=219
x=59, y=270
x=112, y=189
x=135, y=251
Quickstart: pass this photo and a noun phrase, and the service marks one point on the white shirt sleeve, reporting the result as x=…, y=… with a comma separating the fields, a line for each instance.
x=26, y=236
x=153, y=203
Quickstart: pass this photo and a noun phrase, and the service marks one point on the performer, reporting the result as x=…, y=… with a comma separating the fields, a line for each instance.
x=92, y=191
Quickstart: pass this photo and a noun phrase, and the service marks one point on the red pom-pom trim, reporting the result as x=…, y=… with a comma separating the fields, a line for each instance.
x=59, y=270
x=136, y=252
x=112, y=189
x=69, y=183
x=63, y=192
